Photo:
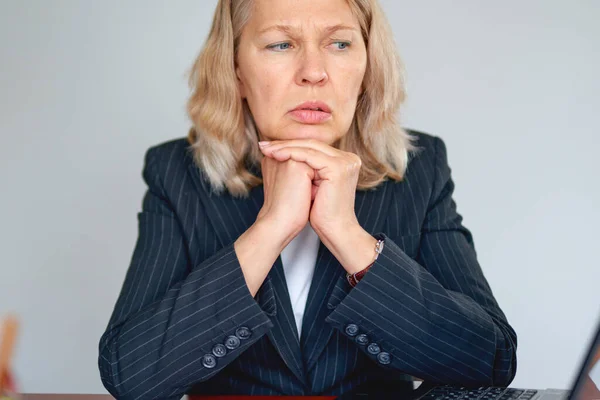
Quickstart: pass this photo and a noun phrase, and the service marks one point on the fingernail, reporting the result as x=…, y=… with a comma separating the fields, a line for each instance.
x=264, y=144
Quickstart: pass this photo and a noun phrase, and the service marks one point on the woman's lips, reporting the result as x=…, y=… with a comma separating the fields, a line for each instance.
x=310, y=116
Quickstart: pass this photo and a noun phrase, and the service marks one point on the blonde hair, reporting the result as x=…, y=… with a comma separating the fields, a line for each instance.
x=224, y=138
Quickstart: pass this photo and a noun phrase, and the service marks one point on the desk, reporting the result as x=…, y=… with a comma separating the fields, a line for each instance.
x=43, y=396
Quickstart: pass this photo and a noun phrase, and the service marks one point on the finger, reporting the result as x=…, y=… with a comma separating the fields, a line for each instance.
x=306, y=143
x=315, y=159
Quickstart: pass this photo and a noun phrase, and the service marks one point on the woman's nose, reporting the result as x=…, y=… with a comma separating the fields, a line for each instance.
x=312, y=69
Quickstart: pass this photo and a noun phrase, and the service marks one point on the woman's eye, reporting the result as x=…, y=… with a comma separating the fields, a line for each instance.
x=280, y=46
x=342, y=45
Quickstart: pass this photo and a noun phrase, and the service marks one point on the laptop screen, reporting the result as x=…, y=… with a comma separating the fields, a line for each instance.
x=587, y=386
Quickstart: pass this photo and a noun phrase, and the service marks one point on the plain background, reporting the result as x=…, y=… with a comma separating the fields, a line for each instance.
x=87, y=86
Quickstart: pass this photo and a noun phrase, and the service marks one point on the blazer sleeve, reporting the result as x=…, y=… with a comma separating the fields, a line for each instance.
x=174, y=324
x=434, y=318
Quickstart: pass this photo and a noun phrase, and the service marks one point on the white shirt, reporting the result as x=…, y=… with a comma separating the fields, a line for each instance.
x=299, y=258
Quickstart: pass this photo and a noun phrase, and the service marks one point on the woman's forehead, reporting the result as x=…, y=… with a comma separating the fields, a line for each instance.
x=300, y=15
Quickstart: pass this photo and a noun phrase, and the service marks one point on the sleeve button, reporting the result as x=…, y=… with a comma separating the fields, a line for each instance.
x=232, y=342
x=351, y=330
x=374, y=349
x=209, y=361
x=384, y=358
x=243, y=333
x=362, y=339
x=219, y=350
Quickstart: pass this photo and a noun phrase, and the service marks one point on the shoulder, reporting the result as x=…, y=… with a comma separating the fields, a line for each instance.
x=167, y=162
x=428, y=171
x=429, y=153
x=176, y=151
x=427, y=146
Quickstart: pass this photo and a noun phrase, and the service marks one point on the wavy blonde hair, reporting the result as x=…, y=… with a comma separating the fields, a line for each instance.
x=224, y=137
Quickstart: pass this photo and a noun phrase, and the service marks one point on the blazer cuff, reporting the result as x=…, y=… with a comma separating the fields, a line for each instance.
x=355, y=323
x=238, y=322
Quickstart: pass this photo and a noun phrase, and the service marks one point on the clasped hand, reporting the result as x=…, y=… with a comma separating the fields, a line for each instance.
x=311, y=181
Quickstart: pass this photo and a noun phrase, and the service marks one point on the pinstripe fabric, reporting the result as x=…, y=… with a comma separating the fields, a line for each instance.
x=425, y=307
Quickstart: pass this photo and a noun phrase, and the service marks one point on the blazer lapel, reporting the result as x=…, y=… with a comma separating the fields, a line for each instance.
x=329, y=285
x=230, y=217
x=315, y=331
x=284, y=334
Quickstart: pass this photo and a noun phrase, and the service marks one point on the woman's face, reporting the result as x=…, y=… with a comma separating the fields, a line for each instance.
x=300, y=65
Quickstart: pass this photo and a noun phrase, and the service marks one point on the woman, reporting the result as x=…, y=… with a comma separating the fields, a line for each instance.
x=297, y=242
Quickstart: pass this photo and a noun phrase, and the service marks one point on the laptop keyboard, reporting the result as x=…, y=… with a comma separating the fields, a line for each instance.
x=487, y=393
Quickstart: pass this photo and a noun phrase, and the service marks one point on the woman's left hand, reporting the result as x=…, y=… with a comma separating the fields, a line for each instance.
x=336, y=176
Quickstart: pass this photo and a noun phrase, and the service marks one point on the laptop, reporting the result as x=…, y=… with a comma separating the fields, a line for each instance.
x=585, y=387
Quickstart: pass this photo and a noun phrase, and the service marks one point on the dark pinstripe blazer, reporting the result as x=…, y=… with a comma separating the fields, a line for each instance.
x=185, y=321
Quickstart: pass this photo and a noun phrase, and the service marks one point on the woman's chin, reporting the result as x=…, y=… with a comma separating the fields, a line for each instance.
x=314, y=132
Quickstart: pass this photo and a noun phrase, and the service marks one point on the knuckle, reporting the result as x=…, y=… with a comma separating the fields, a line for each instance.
x=355, y=162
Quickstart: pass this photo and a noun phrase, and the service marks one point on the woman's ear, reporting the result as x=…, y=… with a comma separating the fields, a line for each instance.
x=240, y=83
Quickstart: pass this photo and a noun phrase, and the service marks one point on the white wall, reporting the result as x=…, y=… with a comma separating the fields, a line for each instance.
x=86, y=87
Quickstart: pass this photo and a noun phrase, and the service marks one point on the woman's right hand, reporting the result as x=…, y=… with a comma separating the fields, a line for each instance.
x=285, y=212
x=287, y=197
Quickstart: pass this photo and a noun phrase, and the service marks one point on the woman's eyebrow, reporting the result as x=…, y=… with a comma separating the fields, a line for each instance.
x=289, y=29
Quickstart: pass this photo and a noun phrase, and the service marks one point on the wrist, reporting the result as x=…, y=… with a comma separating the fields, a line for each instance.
x=256, y=253
x=277, y=231
x=353, y=279
x=356, y=277
x=268, y=232
x=354, y=249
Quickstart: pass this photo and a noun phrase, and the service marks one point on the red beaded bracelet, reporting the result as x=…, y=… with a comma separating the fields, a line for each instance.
x=353, y=279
